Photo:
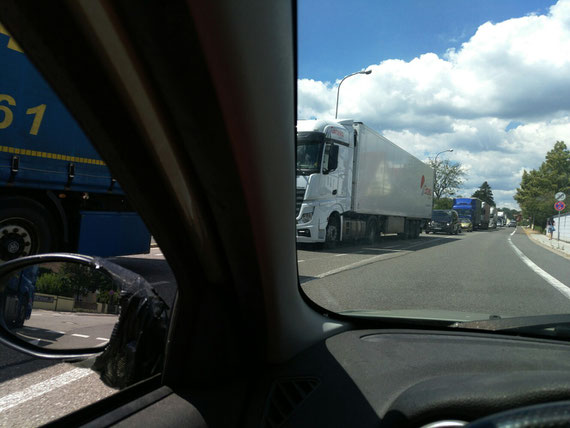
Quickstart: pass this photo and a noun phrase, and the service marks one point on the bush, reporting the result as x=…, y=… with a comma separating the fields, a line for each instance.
x=54, y=283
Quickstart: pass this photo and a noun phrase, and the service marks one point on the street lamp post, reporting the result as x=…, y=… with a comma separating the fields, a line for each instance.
x=338, y=89
x=435, y=174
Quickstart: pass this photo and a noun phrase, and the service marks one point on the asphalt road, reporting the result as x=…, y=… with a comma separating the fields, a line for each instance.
x=35, y=391
x=477, y=272
x=65, y=330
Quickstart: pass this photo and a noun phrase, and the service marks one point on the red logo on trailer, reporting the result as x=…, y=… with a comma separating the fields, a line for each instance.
x=337, y=132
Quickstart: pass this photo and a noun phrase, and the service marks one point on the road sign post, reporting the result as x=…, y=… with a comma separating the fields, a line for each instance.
x=559, y=206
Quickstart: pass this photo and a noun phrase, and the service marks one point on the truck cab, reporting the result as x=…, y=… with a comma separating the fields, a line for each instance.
x=324, y=177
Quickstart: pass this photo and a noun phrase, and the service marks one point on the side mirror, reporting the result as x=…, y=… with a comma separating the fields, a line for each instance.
x=72, y=306
x=333, y=158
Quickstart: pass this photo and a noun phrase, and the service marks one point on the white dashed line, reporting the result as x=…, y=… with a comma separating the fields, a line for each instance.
x=34, y=391
x=80, y=335
x=102, y=338
x=542, y=273
x=514, y=231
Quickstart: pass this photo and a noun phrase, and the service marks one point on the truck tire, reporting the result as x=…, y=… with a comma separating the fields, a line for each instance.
x=26, y=227
x=417, y=229
x=406, y=234
x=332, y=234
x=371, y=232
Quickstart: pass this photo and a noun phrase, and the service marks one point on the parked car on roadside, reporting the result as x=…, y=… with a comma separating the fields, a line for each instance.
x=446, y=221
x=512, y=223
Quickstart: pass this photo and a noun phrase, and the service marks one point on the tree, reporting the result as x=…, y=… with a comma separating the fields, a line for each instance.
x=535, y=194
x=485, y=194
x=443, y=204
x=448, y=178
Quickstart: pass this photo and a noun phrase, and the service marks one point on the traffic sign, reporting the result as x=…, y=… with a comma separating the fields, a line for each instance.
x=560, y=196
x=559, y=206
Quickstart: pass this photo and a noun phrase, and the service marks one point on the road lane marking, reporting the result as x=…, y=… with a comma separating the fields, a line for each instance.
x=545, y=275
x=354, y=265
x=34, y=391
x=300, y=261
x=514, y=231
x=101, y=338
x=80, y=335
x=340, y=255
x=157, y=254
x=159, y=282
x=394, y=253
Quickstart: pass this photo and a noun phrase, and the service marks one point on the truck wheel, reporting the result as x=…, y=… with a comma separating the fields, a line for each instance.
x=332, y=235
x=25, y=228
x=417, y=229
x=371, y=232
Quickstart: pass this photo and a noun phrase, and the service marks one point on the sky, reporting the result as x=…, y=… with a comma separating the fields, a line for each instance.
x=489, y=79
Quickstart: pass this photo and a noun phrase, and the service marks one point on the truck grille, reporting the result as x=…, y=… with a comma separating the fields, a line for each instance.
x=299, y=200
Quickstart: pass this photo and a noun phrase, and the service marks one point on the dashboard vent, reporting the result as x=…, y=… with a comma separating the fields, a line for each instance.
x=284, y=397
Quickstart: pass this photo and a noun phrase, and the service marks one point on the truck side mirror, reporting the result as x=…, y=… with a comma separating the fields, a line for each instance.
x=333, y=158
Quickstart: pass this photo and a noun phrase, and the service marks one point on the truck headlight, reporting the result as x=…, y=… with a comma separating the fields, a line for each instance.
x=307, y=217
x=449, y=224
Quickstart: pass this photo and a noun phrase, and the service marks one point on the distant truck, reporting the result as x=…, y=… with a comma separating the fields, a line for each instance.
x=485, y=215
x=353, y=183
x=501, y=219
x=469, y=208
x=55, y=191
x=493, y=218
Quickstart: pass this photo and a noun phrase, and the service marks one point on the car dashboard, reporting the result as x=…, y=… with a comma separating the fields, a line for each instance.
x=414, y=378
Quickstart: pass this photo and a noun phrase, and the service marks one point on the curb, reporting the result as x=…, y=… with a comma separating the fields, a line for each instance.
x=548, y=247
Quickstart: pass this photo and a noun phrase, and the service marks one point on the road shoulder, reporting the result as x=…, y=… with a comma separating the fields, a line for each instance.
x=551, y=245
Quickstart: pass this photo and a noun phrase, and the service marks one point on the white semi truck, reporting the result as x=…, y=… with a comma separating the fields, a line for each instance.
x=493, y=218
x=353, y=183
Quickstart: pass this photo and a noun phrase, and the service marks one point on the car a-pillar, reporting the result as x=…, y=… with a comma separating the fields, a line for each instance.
x=26, y=227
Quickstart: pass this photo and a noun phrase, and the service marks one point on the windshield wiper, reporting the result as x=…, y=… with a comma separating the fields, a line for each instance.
x=551, y=325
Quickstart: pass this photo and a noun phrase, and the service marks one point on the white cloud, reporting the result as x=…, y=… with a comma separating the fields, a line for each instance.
x=512, y=71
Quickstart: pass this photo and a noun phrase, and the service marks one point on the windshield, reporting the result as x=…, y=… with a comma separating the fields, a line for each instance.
x=463, y=213
x=468, y=114
x=441, y=216
x=309, y=152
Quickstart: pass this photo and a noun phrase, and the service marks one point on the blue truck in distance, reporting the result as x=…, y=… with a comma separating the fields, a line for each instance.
x=56, y=194
x=469, y=208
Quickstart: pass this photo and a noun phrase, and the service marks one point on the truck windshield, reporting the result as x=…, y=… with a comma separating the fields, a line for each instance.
x=309, y=152
x=463, y=213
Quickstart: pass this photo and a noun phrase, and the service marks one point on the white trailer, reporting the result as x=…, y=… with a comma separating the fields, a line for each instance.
x=353, y=183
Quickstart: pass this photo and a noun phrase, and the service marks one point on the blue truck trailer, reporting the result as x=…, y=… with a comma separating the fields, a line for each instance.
x=469, y=208
x=56, y=193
